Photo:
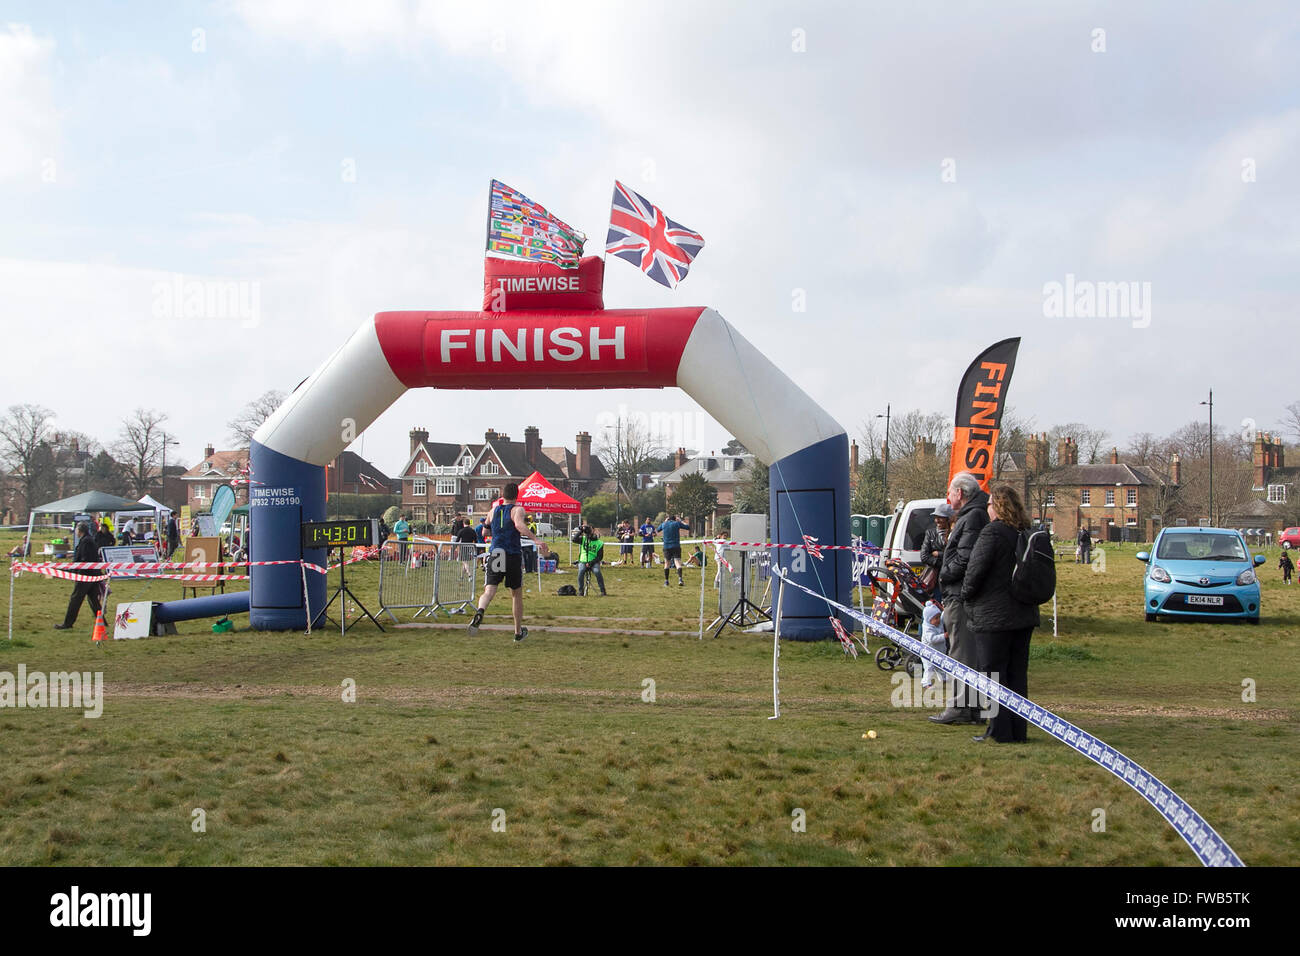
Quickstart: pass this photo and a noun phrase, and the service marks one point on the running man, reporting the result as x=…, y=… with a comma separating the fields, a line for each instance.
x=506, y=559
x=647, y=530
x=673, y=546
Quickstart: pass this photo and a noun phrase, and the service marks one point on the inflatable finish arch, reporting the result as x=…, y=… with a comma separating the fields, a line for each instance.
x=694, y=349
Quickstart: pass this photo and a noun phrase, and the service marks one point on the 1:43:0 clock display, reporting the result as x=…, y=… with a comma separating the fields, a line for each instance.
x=335, y=534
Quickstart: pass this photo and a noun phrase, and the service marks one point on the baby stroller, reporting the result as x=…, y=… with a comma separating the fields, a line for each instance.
x=898, y=599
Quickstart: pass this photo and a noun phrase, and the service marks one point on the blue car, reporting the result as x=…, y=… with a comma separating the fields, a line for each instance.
x=1201, y=572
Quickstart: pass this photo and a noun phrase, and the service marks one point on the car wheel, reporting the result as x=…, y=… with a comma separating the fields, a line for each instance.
x=1286, y=545
x=1150, y=618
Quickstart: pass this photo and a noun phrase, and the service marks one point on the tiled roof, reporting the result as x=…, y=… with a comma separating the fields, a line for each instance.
x=715, y=474
x=1103, y=474
x=222, y=462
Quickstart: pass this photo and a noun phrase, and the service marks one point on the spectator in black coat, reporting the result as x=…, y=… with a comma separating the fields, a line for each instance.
x=1002, y=624
x=87, y=552
x=936, y=537
x=173, y=535
x=970, y=502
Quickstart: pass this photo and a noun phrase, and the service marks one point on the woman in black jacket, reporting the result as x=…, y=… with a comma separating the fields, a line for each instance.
x=1002, y=624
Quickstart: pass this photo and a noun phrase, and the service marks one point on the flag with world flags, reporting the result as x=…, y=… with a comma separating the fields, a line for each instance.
x=640, y=233
x=523, y=229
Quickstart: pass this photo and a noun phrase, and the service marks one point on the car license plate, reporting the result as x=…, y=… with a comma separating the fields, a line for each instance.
x=1215, y=600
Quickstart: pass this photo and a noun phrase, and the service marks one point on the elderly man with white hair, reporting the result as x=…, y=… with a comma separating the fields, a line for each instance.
x=970, y=503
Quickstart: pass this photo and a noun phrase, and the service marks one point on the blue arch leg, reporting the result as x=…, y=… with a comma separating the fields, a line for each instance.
x=285, y=492
x=810, y=496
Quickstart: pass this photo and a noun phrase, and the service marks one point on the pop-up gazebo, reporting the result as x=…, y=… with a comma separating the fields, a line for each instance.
x=538, y=494
x=84, y=503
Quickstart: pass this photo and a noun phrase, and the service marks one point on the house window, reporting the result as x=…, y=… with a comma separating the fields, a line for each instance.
x=421, y=467
x=446, y=486
x=1110, y=497
x=1131, y=497
x=728, y=464
x=1277, y=494
x=200, y=492
x=466, y=462
x=702, y=464
x=486, y=494
x=1051, y=499
x=489, y=468
x=1085, y=497
x=421, y=488
x=418, y=513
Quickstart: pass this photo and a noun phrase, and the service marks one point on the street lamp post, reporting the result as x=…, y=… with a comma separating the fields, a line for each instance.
x=885, y=456
x=162, y=473
x=1211, y=404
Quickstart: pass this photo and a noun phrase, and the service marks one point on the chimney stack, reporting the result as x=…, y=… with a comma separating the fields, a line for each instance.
x=853, y=455
x=679, y=458
x=583, y=448
x=490, y=435
x=209, y=451
x=1259, y=459
x=1176, y=470
x=1036, y=454
x=1114, y=455
x=418, y=437
x=532, y=445
x=924, y=448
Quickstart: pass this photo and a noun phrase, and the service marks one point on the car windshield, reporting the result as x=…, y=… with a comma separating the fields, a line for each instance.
x=1201, y=547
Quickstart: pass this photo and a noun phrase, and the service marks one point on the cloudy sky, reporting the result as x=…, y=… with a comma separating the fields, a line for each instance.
x=916, y=173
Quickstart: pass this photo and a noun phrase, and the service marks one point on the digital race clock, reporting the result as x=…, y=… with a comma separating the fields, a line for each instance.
x=340, y=534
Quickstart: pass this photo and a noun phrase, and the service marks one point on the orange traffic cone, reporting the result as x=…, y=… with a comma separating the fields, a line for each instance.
x=101, y=632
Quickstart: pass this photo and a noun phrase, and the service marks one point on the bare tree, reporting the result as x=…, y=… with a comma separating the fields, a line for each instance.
x=24, y=432
x=1090, y=440
x=245, y=424
x=1014, y=438
x=630, y=450
x=139, y=447
x=1290, y=422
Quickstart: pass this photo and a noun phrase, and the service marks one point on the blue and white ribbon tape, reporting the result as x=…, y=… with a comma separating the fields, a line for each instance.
x=1210, y=848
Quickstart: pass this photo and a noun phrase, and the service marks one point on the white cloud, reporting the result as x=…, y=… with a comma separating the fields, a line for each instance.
x=29, y=123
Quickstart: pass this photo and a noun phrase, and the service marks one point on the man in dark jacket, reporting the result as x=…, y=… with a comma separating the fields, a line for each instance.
x=87, y=552
x=970, y=502
x=1085, y=545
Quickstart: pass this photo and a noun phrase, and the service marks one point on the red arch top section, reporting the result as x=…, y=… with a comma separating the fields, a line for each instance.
x=615, y=348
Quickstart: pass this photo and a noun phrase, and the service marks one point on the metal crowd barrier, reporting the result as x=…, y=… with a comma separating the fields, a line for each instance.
x=438, y=576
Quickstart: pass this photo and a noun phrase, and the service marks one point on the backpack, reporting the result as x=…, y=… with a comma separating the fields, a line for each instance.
x=1033, y=579
x=567, y=590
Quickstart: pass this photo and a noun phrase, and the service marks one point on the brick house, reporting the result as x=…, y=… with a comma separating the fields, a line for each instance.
x=1114, y=500
x=443, y=480
x=350, y=474
x=725, y=472
x=216, y=468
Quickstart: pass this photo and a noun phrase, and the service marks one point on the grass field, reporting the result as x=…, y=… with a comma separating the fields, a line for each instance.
x=552, y=741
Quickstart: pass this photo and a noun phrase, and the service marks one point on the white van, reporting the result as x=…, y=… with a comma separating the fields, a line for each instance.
x=546, y=530
x=906, y=531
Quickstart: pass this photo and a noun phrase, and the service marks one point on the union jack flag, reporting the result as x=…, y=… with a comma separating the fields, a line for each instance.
x=846, y=642
x=812, y=547
x=640, y=233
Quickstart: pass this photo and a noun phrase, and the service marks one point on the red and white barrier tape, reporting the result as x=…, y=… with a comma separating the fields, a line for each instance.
x=150, y=570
